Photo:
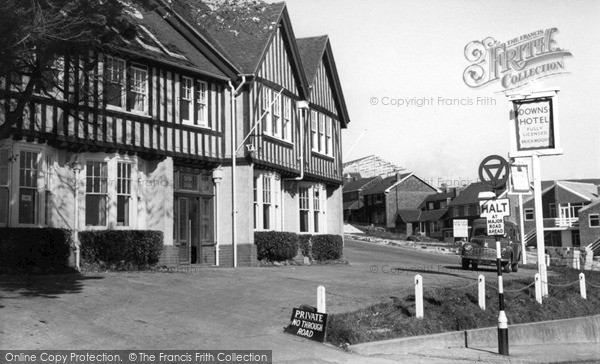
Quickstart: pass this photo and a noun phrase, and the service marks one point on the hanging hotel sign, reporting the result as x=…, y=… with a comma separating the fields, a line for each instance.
x=516, y=62
x=534, y=123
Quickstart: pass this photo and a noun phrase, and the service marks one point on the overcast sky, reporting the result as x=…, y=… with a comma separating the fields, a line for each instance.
x=415, y=50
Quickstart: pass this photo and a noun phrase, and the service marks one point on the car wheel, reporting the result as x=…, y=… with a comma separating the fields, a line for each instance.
x=515, y=266
x=465, y=263
x=506, y=268
x=474, y=266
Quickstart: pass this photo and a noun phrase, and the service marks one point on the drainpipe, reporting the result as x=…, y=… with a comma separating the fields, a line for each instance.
x=217, y=177
x=233, y=91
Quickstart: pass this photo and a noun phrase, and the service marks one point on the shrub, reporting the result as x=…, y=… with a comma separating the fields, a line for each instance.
x=139, y=247
x=305, y=244
x=327, y=247
x=275, y=245
x=31, y=249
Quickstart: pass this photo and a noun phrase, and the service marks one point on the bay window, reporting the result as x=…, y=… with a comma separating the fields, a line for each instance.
x=267, y=192
x=28, y=175
x=96, y=194
x=123, y=193
x=311, y=207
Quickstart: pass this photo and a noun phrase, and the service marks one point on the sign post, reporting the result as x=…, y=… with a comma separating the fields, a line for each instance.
x=534, y=133
x=494, y=171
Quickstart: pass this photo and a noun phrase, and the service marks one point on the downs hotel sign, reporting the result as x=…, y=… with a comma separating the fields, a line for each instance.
x=516, y=62
x=534, y=124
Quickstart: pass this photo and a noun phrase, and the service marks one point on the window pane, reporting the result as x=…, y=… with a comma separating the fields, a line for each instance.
x=304, y=221
x=27, y=206
x=266, y=217
x=122, y=210
x=3, y=205
x=95, y=210
x=316, y=221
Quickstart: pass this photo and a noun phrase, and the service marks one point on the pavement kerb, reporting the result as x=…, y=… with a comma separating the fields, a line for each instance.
x=576, y=330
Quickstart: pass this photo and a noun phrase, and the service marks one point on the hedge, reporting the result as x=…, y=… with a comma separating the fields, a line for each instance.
x=305, y=244
x=327, y=247
x=139, y=247
x=35, y=249
x=275, y=245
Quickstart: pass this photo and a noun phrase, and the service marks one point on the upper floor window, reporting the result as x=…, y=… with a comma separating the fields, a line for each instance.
x=528, y=214
x=116, y=94
x=594, y=220
x=201, y=104
x=552, y=208
x=322, y=133
x=276, y=114
x=114, y=85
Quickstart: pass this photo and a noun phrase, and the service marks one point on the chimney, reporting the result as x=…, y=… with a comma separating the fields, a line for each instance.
x=348, y=177
x=398, y=177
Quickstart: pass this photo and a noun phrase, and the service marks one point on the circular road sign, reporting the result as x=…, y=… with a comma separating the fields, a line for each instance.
x=494, y=171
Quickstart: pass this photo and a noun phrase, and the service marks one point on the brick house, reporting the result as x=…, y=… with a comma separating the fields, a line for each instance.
x=157, y=140
x=384, y=198
x=353, y=199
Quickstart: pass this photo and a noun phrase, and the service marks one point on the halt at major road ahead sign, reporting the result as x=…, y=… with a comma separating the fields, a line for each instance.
x=494, y=171
x=495, y=211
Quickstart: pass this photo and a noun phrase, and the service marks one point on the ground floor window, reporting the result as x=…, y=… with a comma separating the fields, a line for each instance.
x=267, y=196
x=575, y=239
x=4, y=183
x=311, y=207
x=435, y=227
x=96, y=193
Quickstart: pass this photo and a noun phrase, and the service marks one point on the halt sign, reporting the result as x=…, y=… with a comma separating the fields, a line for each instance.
x=308, y=324
x=495, y=211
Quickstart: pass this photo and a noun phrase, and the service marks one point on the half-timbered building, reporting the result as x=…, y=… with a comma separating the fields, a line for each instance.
x=205, y=134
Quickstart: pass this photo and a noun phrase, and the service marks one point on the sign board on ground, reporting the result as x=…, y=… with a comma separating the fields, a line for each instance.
x=461, y=228
x=308, y=324
x=495, y=211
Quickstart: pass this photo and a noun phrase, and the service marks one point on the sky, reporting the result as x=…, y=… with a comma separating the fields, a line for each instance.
x=401, y=50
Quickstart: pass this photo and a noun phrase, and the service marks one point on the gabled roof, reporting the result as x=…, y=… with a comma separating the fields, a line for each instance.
x=432, y=215
x=470, y=195
x=352, y=186
x=409, y=215
x=585, y=190
x=590, y=206
x=314, y=50
x=439, y=197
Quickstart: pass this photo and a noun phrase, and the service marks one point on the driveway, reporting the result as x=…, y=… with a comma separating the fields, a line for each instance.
x=212, y=308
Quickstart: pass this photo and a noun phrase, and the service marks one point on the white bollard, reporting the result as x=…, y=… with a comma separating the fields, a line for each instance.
x=481, y=280
x=321, y=306
x=538, y=288
x=419, y=296
x=576, y=257
x=582, y=286
x=547, y=260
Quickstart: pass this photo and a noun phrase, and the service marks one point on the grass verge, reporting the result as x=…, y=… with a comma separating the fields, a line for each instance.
x=456, y=309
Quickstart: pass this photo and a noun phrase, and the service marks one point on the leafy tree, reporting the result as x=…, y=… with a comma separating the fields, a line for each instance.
x=38, y=35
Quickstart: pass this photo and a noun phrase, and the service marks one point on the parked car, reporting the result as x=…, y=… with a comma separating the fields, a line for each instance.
x=481, y=249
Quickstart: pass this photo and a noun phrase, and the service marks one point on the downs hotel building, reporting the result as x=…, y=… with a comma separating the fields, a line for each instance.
x=184, y=126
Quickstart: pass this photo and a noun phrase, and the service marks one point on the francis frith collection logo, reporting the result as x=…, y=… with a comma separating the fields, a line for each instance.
x=515, y=62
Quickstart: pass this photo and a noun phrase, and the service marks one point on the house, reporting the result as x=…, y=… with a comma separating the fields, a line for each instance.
x=353, y=199
x=562, y=203
x=429, y=218
x=182, y=123
x=384, y=198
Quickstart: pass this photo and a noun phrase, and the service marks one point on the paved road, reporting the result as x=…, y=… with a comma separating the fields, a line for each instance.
x=212, y=308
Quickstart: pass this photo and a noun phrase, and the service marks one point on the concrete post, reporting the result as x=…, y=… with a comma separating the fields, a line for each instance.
x=321, y=305
x=582, y=286
x=419, y=296
x=538, y=288
x=481, y=281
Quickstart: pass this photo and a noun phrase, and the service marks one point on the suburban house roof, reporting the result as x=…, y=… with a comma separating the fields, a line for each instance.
x=313, y=51
x=470, y=195
x=382, y=185
x=439, y=197
x=353, y=205
x=415, y=215
x=585, y=190
x=590, y=206
x=358, y=184
x=432, y=215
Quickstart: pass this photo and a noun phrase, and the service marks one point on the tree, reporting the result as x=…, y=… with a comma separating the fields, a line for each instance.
x=38, y=36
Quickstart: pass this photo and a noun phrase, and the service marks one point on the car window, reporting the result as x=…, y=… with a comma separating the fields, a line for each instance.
x=480, y=231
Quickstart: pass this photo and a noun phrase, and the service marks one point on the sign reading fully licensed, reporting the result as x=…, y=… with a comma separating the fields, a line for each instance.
x=534, y=123
x=495, y=211
x=308, y=324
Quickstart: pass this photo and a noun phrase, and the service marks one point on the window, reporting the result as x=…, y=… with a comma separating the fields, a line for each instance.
x=378, y=198
x=328, y=136
x=575, y=207
x=575, y=238
x=312, y=208
x=201, y=103
x=430, y=206
x=594, y=220
x=435, y=226
x=552, y=208
x=267, y=189
x=304, y=209
x=266, y=110
x=123, y=193
x=321, y=133
x=286, y=128
x=28, y=174
x=276, y=119
x=266, y=202
x=187, y=100
x=455, y=211
x=114, y=86
x=138, y=92
x=4, y=178
x=96, y=194
x=529, y=215
x=48, y=175
x=313, y=130
x=466, y=210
